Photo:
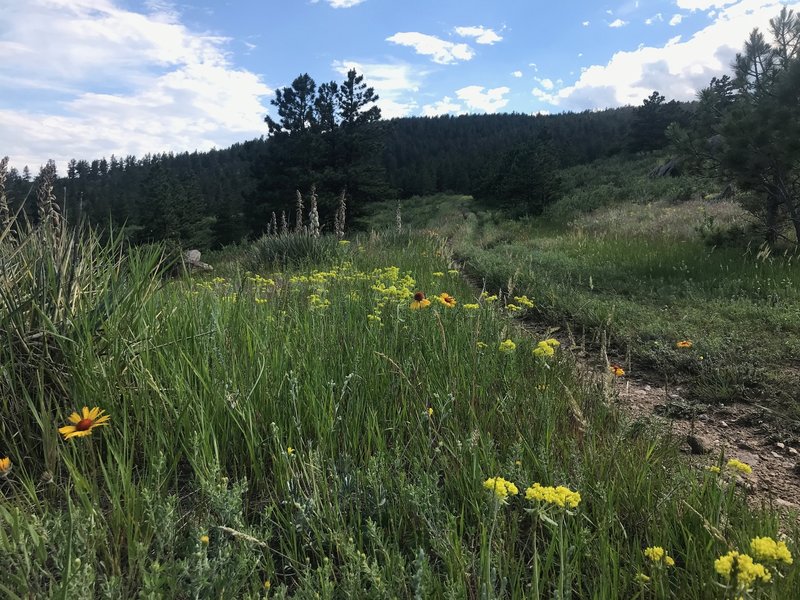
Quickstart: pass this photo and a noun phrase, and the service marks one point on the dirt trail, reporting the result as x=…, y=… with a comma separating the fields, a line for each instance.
x=748, y=432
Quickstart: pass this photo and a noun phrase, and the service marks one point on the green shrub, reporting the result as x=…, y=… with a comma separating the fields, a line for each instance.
x=292, y=250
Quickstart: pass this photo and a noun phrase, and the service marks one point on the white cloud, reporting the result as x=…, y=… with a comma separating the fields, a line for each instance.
x=395, y=84
x=703, y=4
x=482, y=35
x=341, y=3
x=517, y=74
x=678, y=69
x=656, y=17
x=444, y=106
x=675, y=20
x=618, y=23
x=156, y=85
x=585, y=23
x=439, y=50
x=489, y=101
x=545, y=83
x=534, y=66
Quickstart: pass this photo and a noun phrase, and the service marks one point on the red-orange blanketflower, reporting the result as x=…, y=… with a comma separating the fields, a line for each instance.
x=83, y=424
x=617, y=370
x=684, y=344
x=447, y=300
x=420, y=301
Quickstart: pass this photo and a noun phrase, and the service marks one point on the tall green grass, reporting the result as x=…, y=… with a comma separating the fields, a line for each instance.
x=307, y=428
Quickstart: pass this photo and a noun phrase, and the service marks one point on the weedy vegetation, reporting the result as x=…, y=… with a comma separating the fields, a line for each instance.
x=369, y=427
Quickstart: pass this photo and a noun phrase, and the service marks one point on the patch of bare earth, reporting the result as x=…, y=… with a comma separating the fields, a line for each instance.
x=748, y=432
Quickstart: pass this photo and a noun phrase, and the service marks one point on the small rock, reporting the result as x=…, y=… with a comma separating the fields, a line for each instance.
x=785, y=503
x=745, y=446
x=793, y=452
x=781, y=445
x=698, y=444
x=776, y=455
x=723, y=424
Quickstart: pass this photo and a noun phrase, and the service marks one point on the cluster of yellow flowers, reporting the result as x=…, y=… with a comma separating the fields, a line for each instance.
x=507, y=346
x=560, y=496
x=658, y=555
x=524, y=301
x=488, y=298
x=501, y=488
x=741, y=567
x=767, y=549
x=740, y=466
x=546, y=347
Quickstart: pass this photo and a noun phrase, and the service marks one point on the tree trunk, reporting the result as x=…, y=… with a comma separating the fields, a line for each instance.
x=772, y=219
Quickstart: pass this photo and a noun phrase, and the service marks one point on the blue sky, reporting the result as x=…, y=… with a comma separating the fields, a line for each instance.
x=91, y=78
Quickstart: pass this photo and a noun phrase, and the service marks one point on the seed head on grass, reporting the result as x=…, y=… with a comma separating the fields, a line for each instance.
x=83, y=424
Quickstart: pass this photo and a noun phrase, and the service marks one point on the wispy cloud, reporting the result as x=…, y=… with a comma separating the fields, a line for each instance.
x=517, y=74
x=396, y=84
x=157, y=85
x=440, y=51
x=678, y=69
x=481, y=34
x=656, y=17
x=618, y=23
x=489, y=101
x=341, y=3
x=675, y=20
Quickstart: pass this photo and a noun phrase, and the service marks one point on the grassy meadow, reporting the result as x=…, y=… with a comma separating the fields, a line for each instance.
x=299, y=424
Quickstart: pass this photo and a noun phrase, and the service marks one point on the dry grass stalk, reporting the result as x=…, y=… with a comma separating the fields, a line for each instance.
x=313, y=214
x=47, y=208
x=339, y=217
x=298, y=226
x=273, y=225
x=398, y=219
x=5, y=213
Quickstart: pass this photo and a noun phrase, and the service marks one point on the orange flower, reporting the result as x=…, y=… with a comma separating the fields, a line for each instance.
x=684, y=344
x=5, y=467
x=617, y=370
x=446, y=299
x=420, y=301
x=83, y=424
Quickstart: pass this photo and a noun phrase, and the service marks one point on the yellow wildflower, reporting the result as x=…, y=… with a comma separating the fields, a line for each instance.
x=488, y=298
x=767, y=549
x=746, y=570
x=740, y=466
x=501, y=488
x=5, y=467
x=713, y=469
x=642, y=578
x=430, y=411
x=524, y=301
x=267, y=584
x=453, y=271
x=446, y=299
x=204, y=540
x=616, y=370
x=684, y=344
x=290, y=451
x=420, y=301
x=471, y=306
x=560, y=496
x=658, y=555
x=507, y=346
x=512, y=307
x=543, y=349
x=83, y=424
x=481, y=345
x=438, y=274
x=344, y=242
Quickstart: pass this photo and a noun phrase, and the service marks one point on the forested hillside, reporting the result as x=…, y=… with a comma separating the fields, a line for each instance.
x=210, y=199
